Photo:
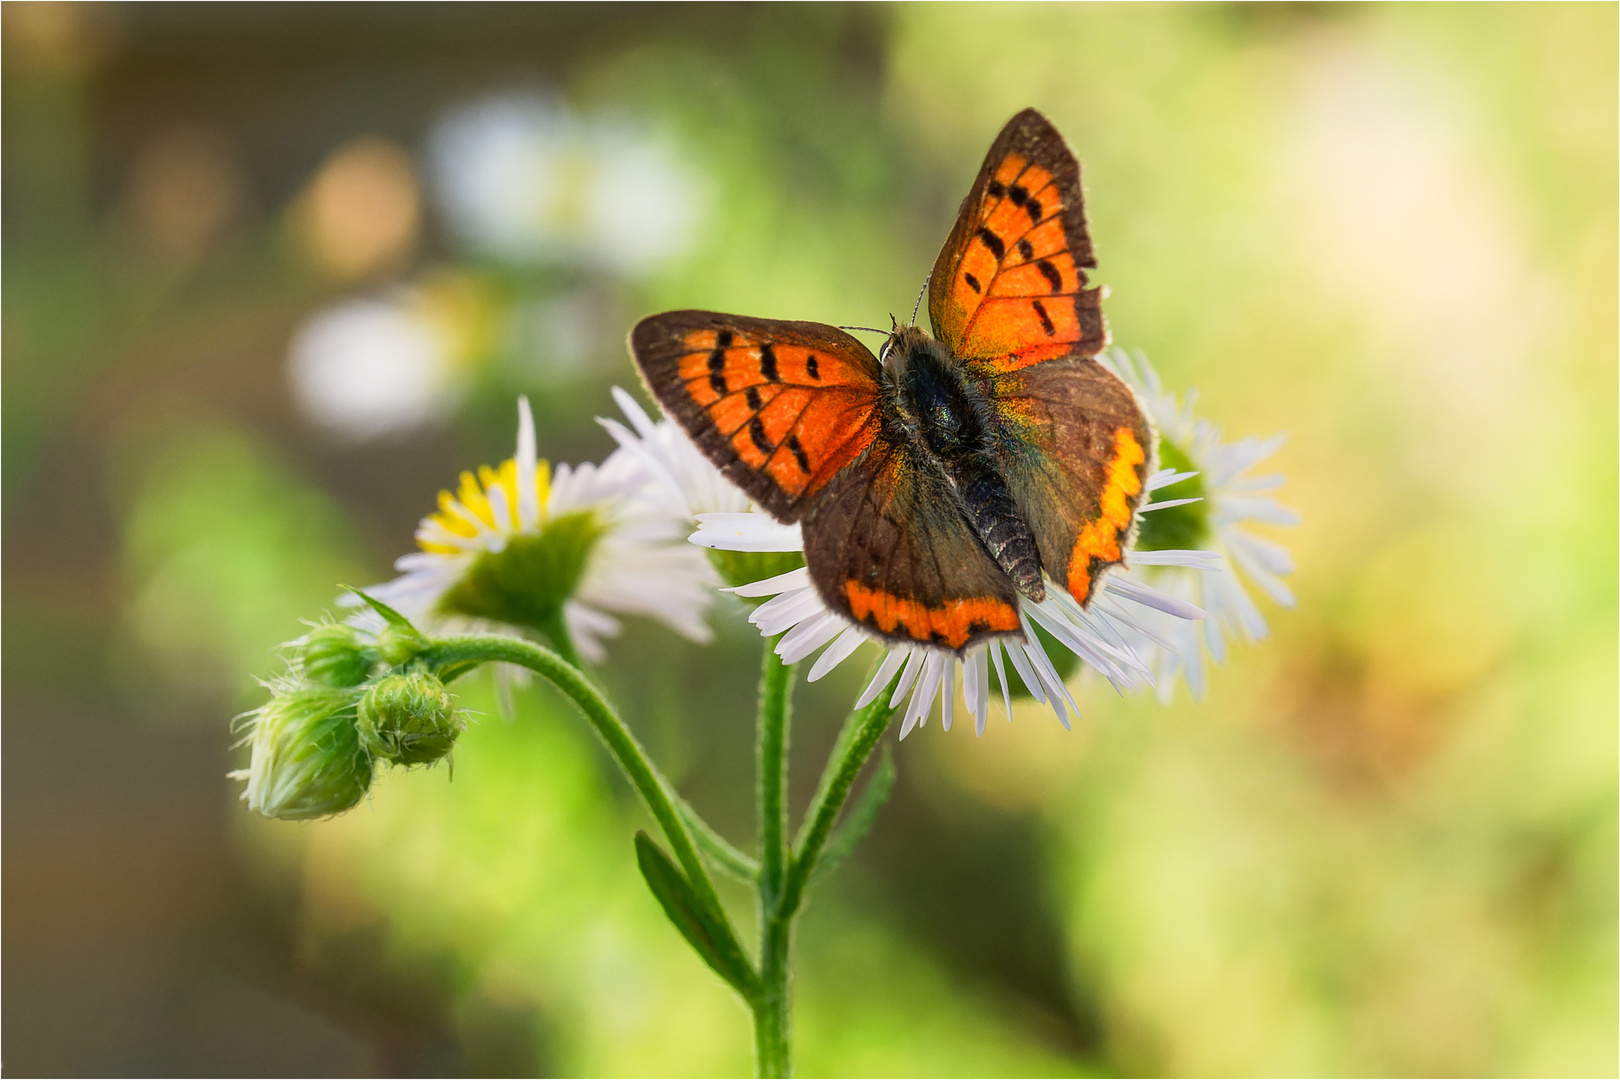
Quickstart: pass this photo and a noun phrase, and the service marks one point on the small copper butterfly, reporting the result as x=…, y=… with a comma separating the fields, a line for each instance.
x=965, y=467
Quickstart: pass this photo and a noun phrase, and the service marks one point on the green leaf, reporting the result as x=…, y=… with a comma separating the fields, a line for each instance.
x=455, y=670
x=859, y=820
x=707, y=932
x=392, y=617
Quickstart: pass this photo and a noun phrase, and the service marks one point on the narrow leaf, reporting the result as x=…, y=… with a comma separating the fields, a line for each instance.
x=711, y=936
x=721, y=852
x=858, y=822
x=389, y=614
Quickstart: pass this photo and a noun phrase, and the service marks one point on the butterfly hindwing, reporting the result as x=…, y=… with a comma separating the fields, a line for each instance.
x=1009, y=288
x=1076, y=451
x=780, y=407
x=888, y=548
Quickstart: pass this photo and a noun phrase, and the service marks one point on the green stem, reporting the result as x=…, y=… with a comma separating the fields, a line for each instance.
x=772, y=1032
x=555, y=626
x=861, y=735
x=652, y=787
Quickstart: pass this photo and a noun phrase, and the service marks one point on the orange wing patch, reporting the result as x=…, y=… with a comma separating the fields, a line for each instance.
x=1098, y=542
x=952, y=623
x=1010, y=287
x=794, y=413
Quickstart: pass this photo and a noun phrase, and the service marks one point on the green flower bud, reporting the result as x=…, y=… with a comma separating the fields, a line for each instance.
x=334, y=654
x=400, y=643
x=307, y=760
x=408, y=719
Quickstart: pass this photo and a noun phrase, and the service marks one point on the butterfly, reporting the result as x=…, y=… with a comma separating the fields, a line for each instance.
x=957, y=471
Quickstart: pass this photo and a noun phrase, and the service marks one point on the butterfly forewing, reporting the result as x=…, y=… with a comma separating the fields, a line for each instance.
x=1009, y=288
x=1076, y=452
x=780, y=407
x=887, y=547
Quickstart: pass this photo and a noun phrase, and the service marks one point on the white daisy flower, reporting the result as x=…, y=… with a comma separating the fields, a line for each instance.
x=1102, y=635
x=527, y=547
x=1212, y=498
x=690, y=487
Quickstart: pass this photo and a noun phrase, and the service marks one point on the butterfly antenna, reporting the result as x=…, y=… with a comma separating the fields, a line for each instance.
x=918, y=305
x=868, y=329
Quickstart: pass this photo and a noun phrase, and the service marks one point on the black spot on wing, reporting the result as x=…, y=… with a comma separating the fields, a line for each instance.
x=752, y=395
x=991, y=241
x=767, y=363
x=793, y=446
x=1033, y=209
x=811, y=368
x=1053, y=278
x=1019, y=194
x=1026, y=250
x=996, y=189
x=973, y=282
x=722, y=340
x=756, y=432
x=1046, y=320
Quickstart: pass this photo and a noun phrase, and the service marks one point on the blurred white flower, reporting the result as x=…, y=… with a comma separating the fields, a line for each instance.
x=523, y=179
x=368, y=367
x=554, y=551
x=1212, y=499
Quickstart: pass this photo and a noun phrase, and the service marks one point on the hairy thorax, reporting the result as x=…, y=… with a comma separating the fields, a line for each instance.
x=944, y=414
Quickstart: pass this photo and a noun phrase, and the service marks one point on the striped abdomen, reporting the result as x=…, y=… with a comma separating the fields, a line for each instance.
x=1000, y=527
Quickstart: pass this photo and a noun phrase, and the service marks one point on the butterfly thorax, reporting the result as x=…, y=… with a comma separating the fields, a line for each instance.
x=943, y=413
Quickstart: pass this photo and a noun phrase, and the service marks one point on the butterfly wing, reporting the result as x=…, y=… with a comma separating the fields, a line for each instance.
x=1009, y=288
x=1076, y=451
x=887, y=547
x=780, y=407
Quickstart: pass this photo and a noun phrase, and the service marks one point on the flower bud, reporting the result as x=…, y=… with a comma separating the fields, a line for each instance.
x=307, y=760
x=408, y=719
x=334, y=654
x=399, y=643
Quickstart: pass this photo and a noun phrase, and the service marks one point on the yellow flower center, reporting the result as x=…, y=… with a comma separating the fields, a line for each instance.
x=469, y=507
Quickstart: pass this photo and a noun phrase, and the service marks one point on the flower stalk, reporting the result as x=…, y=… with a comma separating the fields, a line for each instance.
x=783, y=870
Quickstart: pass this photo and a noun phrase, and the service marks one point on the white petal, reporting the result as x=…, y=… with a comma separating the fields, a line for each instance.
x=880, y=678
x=1192, y=559
x=1257, y=508
x=528, y=506
x=775, y=616
x=808, y=636
x=1165, y=504
x=746, y=532
x=1153, y=598
x=915, y=662
x=837, y=652
x=1001, y=677
x=1020, y=662
x=781, y=583
x=971, y=678
x=1166, y=477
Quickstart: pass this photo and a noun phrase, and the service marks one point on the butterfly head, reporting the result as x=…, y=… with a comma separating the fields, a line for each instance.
x=904, y=345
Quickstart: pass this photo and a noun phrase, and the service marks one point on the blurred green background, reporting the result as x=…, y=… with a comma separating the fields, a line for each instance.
x=274, y=273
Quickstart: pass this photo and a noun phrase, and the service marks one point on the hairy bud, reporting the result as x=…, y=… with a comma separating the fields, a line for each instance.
x=334, y=654
x=307, y=759
x=408, y=719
